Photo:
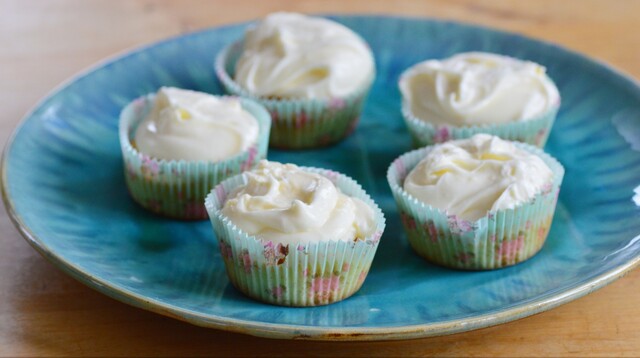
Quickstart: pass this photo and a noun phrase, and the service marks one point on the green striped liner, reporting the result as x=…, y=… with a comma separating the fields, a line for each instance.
x=177, y=188
x=298, y=123
x=297, y=274
x=501, y=238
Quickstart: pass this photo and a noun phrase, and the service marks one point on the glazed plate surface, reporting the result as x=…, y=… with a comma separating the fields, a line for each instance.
x=63, y=185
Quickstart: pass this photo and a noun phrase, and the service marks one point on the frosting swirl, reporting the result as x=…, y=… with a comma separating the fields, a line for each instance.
x=473, y=176
x=192, y=125
x=286, y=204
x=477, y=88
x=295, y=56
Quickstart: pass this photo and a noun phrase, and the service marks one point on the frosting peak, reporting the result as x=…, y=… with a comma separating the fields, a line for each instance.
x=286, y=204
x=295, y=56
x=192, y=125
x=477, y=88
x=473, y=176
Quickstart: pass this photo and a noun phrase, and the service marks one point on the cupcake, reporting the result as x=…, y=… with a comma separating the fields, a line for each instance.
x=295, y=236
x=476, y=203
x=311, y=73
x=478, y=92
x=178, y=144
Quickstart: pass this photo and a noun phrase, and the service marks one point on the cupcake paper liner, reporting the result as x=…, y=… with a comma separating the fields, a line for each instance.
x=297, y=274
x=534, y=131
x=298, y=123
x=499, y=239
x=177, y=188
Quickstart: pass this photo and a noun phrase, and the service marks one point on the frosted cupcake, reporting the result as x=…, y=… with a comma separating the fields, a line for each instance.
x=295, y=236
x=178, y=144
x=311, y=73
x=478, y=92
x=476, y=203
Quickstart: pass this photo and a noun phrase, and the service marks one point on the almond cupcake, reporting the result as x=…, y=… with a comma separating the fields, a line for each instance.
x=311, y=73
x=476, y=203
x=178, y=144
x=477, y=92
x=295, y=236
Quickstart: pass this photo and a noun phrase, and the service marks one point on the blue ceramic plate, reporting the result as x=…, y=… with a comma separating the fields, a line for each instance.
x=64, y=187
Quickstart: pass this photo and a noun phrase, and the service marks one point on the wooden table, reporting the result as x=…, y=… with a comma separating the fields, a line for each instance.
x=43, y=312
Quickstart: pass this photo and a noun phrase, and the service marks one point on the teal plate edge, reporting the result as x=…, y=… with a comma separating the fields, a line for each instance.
x=309, y=332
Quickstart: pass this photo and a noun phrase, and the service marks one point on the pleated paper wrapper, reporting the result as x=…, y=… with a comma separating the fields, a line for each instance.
x=499, y=239
x=308, y=274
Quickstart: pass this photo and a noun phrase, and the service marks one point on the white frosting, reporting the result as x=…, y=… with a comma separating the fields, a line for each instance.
x=193, y=125
x=471, y=177
x=477, y=88
x=295, y=56
x=286, y=204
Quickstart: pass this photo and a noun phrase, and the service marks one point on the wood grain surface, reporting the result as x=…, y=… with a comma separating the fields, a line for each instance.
x=45, y=313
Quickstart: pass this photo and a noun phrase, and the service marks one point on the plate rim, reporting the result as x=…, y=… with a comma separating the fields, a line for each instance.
x=291, y=331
